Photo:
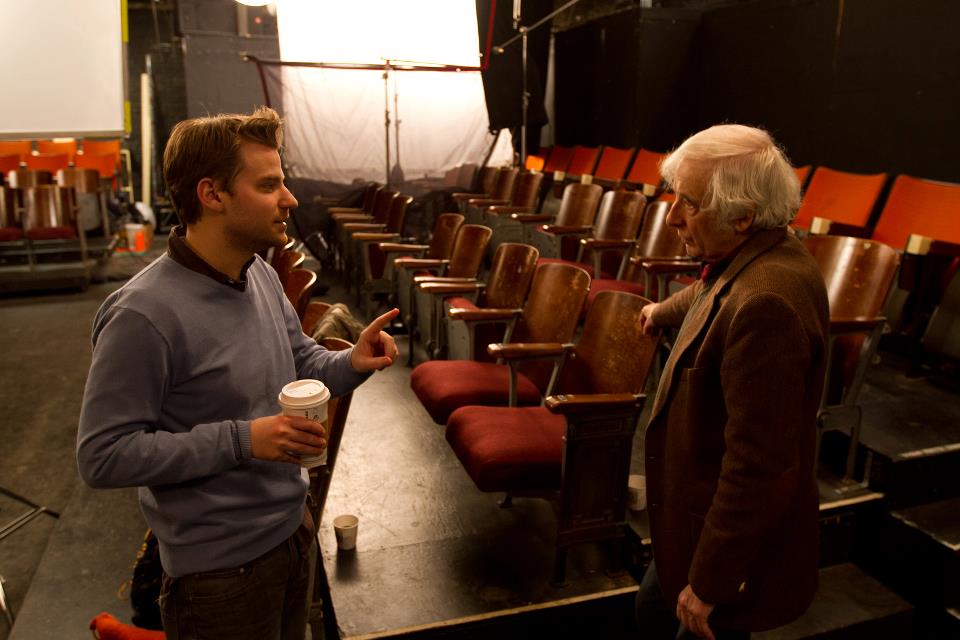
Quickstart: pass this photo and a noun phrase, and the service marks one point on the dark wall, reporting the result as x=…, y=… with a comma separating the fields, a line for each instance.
x=859, y=85
x=628, y=79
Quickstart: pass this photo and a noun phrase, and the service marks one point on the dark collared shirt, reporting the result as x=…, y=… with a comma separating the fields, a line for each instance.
x=180, y=251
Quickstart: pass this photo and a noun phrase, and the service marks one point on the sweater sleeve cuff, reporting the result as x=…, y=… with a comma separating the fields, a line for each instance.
x=241, y=440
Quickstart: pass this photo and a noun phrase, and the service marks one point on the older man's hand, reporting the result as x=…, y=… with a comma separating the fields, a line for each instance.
x=693, y=613
x=647, y=324
x=375, y=349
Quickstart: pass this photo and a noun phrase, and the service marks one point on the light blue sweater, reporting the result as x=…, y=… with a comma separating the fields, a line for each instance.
x=181, y=365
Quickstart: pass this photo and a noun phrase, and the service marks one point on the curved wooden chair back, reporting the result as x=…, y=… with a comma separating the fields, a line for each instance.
x=646, y=167
x=921, y=207
x=444, y=233
x=397, y=213
x=83, y=180
x=10, y=213
x=381, y=205
x=48, y=206
x=299, y=286
x=468, y=250
x=370, y=196
x=528, y=189
x=503, y=187
x=279, y=251
x=611, y=356
x=510, y=276
x=839, y=196
x=289, y=260
x=24, y=178
x=613, y=164
x=551, y=313
x=578, y=207
x=655, y=240
x=485, y=178
x=8, y=162
x=337, y=409
x=858, y=275
x=619, y=215
x=20, y=148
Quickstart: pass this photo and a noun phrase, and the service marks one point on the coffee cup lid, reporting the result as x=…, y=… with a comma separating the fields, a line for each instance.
x=304, y=393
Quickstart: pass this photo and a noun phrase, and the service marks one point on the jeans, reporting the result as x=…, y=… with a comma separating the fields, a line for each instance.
x=265, y=599
x=657, y=622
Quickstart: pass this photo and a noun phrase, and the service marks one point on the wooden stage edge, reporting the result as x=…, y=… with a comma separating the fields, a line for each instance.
x=441, y=624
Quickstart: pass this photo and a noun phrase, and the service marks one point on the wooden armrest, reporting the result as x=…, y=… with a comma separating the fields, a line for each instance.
x=346, y=210
x=856, y=324
x=594, y=243
x=396, y=247
x=823, y=226
x=351, y=217
x=473, y=315
x=507, y=210
x=527, y=350
x=374, y=237
x=363, y=226
x=677, y=266
x=486, y=202
x=558, y=230
x=447, y=279
x=460, y=195
x=588, y=403
x=419, y=263
x=531, y=218
x=447, y=288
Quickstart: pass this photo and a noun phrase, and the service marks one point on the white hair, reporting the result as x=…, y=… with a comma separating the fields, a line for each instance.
x=748, y=173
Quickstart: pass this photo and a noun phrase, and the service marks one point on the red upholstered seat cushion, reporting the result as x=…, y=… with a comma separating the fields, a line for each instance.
x=509, y=449
x=8, y=234
x=106, y=627
x=459, y=302
x=52, y=233
x=443, y=386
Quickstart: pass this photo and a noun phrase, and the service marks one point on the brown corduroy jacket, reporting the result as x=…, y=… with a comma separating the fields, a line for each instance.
x=731, y=487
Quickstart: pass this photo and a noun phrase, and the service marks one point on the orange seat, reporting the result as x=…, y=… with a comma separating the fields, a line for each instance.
x=51, y=162
x=802, y=174
x=104, y=164
x=9, y=162
x=646, y=167
x=558, y=160
x=839, y=196
x=613, y=164
x=583, y=161
x=68, y=147
x=534, y=163
x=101, y=147
x=20, y=148
x=920, y=207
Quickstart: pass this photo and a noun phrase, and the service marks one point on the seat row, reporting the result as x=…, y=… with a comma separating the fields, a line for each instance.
x=103, y=156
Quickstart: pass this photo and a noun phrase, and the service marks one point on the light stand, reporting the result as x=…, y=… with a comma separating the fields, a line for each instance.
x=386, y=117
x=522, y=33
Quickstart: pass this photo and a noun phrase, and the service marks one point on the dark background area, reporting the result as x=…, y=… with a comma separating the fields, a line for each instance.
x=857, y=85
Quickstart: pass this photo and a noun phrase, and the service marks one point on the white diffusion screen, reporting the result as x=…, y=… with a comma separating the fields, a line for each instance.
x=335, y=117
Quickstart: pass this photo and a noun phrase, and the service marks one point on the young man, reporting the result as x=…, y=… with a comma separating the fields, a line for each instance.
x=732, y=493
x=181, y=399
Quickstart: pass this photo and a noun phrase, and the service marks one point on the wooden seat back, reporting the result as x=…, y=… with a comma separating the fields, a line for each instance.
x=510, y=276
x=83, y=180
x=381, y=205
x=578, y=207
x=287, y=262
x=23, y=178
x=655, y=240
x=551, y=313
x=279, y=251
x=10, y=213
x=618, y=218
x=298, y=287
x=444, y=233
x=484, y=179
x=468, y=250
x=504, y=185
x=528, y=189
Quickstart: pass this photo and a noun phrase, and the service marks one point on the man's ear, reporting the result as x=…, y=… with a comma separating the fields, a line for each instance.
x=208, y=195
x=742, y=225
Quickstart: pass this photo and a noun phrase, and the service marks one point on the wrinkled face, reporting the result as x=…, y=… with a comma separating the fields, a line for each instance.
x=259, y=203
x=703, y=236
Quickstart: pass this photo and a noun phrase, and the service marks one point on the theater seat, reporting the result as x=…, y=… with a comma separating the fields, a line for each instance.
x=577, y=447
x=550, y=315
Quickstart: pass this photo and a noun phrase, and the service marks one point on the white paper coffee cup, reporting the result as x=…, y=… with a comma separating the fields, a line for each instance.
x=637, y=492
x=345, y=528
x=307, y=399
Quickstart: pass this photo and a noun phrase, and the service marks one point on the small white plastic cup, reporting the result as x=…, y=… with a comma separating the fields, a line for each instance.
x=345, y=528
x=637, y=492
x=307, y=399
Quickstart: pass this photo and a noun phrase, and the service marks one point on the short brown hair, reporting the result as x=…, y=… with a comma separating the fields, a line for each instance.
x=210, y=148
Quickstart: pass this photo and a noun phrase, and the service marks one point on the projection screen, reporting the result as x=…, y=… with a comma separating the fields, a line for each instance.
x=62, y=66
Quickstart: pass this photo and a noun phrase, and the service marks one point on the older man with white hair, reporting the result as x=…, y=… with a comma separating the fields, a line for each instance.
x=732, y=491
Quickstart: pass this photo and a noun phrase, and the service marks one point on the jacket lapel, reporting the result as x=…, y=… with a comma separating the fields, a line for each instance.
x=696, y=324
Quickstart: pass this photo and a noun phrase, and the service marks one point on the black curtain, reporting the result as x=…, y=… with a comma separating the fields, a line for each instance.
x=503, y=78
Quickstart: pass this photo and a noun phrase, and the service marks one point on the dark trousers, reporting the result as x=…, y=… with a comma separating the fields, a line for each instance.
x=265, y=599
x=656, y=621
